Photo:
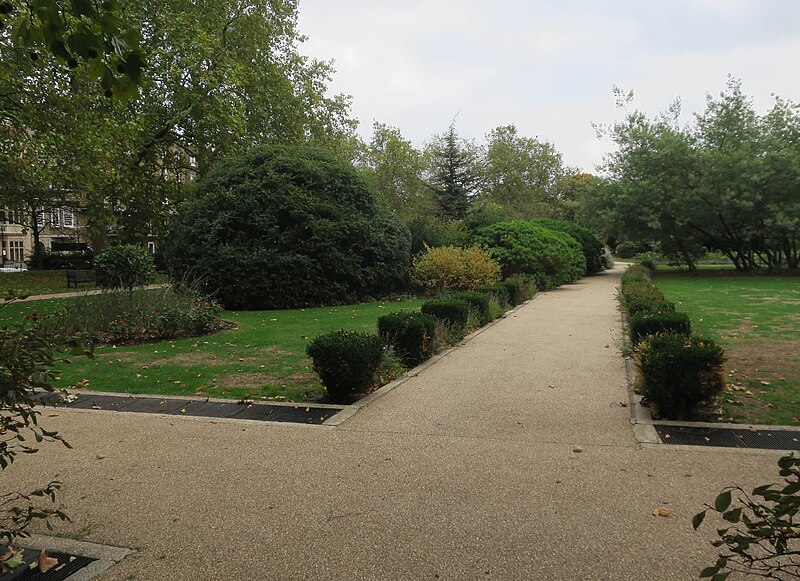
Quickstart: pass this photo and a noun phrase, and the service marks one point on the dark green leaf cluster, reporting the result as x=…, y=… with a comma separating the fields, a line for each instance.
x=590, y=244
x=643, y=324
x=346, y=361
x=478, y=303
x=761, y=536
x=679, y=372
x=411, y=334
x=82, y=33
x=500, y=291
x=452, y=312
x=521, y=247
x=287, y=227
x=125, y=266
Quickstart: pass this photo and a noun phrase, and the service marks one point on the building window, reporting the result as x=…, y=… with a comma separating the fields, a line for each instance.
x=16, y=250
x=68, y=218
x=40, y=218
x=55, y=218
x=151, y=246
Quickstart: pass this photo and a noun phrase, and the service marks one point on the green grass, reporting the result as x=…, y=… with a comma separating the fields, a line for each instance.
x=41, y=282
x=757, y=321
x=262, y=358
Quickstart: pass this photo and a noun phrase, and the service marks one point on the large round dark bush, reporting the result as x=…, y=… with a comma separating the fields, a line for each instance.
x=287, y=227
x=526, y=248
x=590, y=244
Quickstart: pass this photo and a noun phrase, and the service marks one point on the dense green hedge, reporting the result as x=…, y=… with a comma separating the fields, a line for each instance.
x=125, y=266
x=552, y=257
x=346, y=361
x=410, y=333
x=453, y=312
x=650, y=323
x=591, y=246
x=479, y=303
x=679, y=372
x=287, y=227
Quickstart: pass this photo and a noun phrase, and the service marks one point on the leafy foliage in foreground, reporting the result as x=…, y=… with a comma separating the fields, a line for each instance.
x=761, y=533
x=26, y=369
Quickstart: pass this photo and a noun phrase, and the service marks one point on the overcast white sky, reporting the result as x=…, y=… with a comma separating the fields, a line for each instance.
x=547, y=66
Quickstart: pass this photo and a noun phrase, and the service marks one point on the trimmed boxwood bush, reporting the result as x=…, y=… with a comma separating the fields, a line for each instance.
x=679, y=372
x=126, y=266
x=498, y=290
x=635, y=273
x=514, y=289
x=646, y=323
x=479, y=303
x=591, y=246
x=345, y=361
x=525, y=248
x=643, y=296
x=453, y=312
x=287, y=227
x=410, y=333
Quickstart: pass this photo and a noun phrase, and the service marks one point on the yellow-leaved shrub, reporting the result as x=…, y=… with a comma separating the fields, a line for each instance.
x=448, y=268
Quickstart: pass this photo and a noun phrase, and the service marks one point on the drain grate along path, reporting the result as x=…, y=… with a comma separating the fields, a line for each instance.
x=294, y=413
x=67, y=565
x=730, y=437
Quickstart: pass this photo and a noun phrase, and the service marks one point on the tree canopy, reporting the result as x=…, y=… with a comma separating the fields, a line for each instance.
x=728, y=182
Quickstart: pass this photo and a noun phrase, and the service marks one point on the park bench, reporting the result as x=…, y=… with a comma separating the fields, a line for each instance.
x=75, y=277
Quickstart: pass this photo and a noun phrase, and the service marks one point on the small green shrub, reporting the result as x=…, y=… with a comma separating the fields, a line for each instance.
x=453, y=312
x=644, y=324
x=642, y=296
x=496, y=308
x=346, y=361
x=411, y=334
x=126, y=266
x=454, y=269
x=679, y=372
x=527, y=286
x=514, y=289
x=635, y=273
x=497, y=290
x=479, y=303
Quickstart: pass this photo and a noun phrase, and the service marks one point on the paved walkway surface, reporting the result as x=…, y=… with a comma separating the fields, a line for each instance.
x=79, y=293
x=467, y=471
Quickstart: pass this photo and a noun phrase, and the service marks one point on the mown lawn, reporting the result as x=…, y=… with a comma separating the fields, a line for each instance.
x=263, y=357
x=757, y=320
x=41, y=282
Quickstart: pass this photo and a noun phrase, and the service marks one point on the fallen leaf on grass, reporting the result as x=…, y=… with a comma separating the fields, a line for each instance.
x=661, y=511
x=764, y=382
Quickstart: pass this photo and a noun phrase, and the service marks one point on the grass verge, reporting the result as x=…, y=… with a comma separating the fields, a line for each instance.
x=757, y=321
x=263, y=357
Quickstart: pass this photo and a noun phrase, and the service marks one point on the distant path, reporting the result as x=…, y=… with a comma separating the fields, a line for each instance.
x=79, y=293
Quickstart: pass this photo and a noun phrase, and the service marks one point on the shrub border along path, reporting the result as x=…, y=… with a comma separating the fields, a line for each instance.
x=645, y=427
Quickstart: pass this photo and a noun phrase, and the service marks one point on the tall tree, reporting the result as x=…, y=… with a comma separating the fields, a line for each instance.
x=454, y=172
x=394, y=168
x=524, y=174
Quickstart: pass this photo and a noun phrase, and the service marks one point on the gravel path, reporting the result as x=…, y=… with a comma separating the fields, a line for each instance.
x=467, y=471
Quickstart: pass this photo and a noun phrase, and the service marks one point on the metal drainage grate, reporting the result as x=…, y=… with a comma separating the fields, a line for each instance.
x=300, y=413
x=67, y=565
x=730, y=437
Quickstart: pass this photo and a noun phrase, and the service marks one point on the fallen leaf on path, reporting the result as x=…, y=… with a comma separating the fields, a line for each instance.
x=551, y=386
x=577, y=449
x=99, y=457
x=10, y=559
x=46, y=563
x=661, y=511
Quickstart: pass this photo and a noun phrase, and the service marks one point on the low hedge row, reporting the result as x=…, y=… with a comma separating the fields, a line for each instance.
x=347, y=361
x=678, y=370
